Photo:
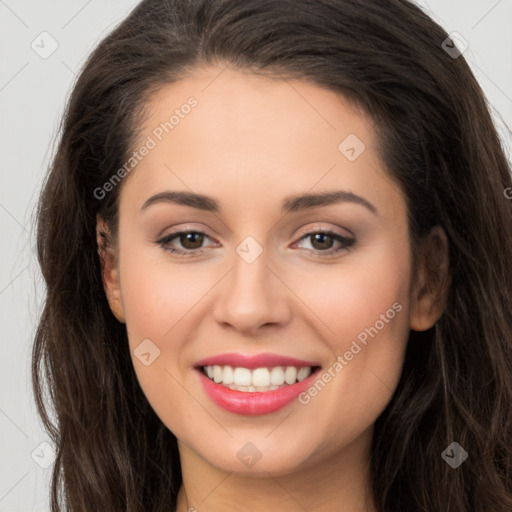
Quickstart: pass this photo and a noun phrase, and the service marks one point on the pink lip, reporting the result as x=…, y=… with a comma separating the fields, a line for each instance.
x=254, y=403
x=254, y=361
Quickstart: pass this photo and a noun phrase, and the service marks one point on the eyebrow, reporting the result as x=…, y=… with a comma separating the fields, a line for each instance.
x=289, y=205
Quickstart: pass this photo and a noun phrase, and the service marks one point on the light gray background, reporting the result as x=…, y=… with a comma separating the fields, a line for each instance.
x=32, y=95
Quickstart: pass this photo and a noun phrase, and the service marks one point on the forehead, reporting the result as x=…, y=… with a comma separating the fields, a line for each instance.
x=240, y=104
x=252, y=135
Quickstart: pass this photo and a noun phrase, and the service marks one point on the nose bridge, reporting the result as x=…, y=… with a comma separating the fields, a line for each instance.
x=252, y=295
x=251, y=266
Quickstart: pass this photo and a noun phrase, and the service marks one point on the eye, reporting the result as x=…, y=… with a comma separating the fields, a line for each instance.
x=322, y=242
x=191, y=241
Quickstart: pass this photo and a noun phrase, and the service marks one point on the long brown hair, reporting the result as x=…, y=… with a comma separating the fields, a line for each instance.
x=436, y=138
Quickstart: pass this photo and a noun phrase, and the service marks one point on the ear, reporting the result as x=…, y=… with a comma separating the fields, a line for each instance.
x=109, y=270
x=432, y=282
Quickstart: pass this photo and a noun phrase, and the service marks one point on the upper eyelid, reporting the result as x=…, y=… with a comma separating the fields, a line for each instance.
x=316, y=227
x=182, y=231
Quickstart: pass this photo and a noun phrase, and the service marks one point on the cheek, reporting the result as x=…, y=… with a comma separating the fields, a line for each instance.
x=157, y=301
x=156, y=294
x=349, y=297
x=363, y=306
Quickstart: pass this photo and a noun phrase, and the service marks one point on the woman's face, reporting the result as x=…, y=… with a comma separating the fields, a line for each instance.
x=259, y=277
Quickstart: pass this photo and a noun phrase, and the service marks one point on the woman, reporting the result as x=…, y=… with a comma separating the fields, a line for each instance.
x=277, y=250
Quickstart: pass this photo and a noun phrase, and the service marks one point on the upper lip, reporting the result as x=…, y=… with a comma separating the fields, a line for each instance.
x=254, y=361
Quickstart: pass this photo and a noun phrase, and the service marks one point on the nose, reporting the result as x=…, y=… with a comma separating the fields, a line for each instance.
x=252, y=296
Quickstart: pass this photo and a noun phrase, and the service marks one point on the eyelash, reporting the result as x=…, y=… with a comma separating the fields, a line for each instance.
x=348, y=243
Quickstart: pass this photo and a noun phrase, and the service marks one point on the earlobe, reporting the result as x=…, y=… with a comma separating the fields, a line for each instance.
x=109, y=270
x=430, y=289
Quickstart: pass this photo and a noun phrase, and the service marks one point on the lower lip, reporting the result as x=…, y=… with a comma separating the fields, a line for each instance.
x=254, y=403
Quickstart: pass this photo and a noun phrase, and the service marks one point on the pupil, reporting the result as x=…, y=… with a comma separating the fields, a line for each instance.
x=187, y=239
x=322, y=238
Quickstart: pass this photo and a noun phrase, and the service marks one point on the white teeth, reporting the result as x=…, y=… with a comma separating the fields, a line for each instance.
x=261, y=377
x=277, y=376
x=290, y=375
x=217, y=374
x=253, y=388
x=227, y=376
x=303, y=373
x=242, y=377
x=258, y=379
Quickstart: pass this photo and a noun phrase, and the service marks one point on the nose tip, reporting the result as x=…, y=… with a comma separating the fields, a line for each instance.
x=251, y=297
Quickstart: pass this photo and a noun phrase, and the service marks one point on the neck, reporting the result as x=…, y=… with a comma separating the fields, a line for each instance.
x=339, y=482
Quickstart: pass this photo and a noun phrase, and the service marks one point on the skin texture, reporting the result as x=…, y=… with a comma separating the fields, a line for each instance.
x=250, y=142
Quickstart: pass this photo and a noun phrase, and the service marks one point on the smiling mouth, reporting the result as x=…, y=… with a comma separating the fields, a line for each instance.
x=257, y=379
